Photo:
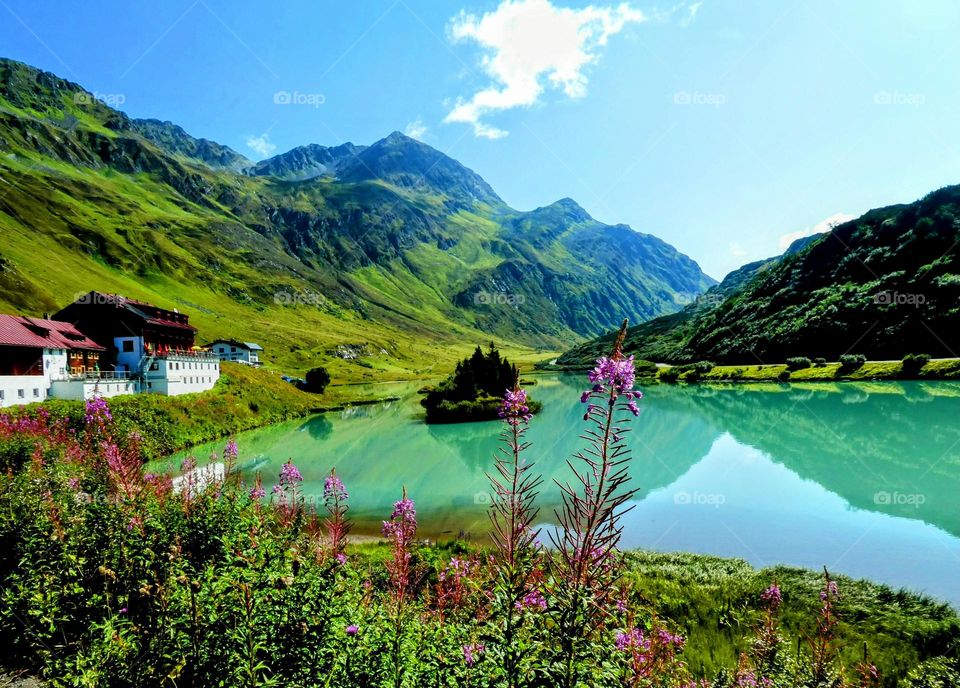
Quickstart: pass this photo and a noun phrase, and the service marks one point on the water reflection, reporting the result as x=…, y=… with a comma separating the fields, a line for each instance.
x=803, y=474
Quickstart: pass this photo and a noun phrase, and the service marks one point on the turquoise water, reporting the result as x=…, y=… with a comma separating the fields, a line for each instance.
x=861, y=478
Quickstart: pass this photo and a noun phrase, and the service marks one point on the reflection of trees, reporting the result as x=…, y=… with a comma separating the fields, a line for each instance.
x=319, y=427
x=665, y=442
x=857, y=440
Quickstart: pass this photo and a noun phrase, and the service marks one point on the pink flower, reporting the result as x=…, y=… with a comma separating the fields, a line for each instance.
x=772, y=597
x=515, y=409
x=352, y=629
x=471, y=651
x=289, y=474
x=532, y=599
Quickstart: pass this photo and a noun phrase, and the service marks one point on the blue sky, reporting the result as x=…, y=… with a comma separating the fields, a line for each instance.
x=723, y=127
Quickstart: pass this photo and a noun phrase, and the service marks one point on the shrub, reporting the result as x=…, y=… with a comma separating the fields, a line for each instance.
x=798, y=363
x=784, y=375
x=703, y=367
x=851, y=362
x=819, y=362
x=316, y=381
x=669, y=375
x=913, y=363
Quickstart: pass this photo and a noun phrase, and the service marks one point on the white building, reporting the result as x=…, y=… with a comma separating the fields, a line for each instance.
x=36, y=354
x=241, y=352
x=102, y=345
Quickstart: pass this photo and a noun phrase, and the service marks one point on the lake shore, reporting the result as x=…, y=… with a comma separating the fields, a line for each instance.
x=935, y=369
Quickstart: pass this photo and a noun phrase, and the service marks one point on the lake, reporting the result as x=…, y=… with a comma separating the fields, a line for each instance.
x=863, y=478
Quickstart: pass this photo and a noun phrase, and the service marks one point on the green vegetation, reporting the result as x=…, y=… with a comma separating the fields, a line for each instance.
x=855, y=367
x=130, y=583
x=887, y=283
x=244, y=398
x=474, y=392
x=316, y=381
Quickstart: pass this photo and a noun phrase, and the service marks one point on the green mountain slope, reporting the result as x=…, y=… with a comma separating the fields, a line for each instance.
x=884, y=285
x=394, y=249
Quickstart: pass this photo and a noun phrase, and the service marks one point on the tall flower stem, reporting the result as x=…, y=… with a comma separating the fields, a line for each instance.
x=512, y=515
x=586, y=565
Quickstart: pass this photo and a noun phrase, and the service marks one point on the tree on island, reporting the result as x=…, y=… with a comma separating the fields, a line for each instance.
x=474, y=390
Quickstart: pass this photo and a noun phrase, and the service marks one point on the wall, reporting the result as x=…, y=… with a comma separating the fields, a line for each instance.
x=12, y=385
x=177, y=374
x=81, y=390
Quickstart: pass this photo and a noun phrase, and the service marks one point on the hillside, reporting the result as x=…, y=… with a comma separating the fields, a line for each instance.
x=393, y=250
x=883, y=285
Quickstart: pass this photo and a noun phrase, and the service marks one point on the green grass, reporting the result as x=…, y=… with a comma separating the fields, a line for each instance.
x=715, y=602
x=244, y=398
x=939, y=369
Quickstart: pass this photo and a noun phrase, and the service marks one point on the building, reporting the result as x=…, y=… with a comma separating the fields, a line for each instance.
x=145, y=343
x=37, y=354
x=232, y=350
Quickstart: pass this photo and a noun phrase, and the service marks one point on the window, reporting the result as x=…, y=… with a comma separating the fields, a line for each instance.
x=21, y=394
x=233, y=349
x=128, y=346
x=36, y=393
x=2, y=395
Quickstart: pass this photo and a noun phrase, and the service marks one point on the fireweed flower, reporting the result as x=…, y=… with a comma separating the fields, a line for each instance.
x=515, y=409
x=772, y=597
x=471, y=652
x=289, y=475
x=352, y=629
x=634, y=639
x=532, y=600
x=333, y=488
x=335, y=498
x=97, y=412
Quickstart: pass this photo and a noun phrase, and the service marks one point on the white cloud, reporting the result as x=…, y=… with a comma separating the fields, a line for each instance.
x=691, y=14
x=825, y=225
x=528, y=45
x=416, y=129
x=261, y=145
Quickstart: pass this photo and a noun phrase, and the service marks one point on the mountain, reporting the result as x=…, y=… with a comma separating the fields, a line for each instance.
x=175, y=141
x=306, y=162
x=392, y=249
x=885, y=284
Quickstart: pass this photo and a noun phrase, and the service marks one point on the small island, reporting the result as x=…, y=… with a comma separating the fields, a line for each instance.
x=474, y=391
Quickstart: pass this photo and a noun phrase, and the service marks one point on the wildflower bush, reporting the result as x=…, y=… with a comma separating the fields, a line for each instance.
x=110, y=576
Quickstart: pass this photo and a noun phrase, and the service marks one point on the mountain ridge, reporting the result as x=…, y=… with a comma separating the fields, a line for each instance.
x=884, y=285
x=401, y=237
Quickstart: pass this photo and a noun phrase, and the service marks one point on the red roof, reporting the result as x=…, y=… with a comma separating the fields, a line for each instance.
x=16, y=330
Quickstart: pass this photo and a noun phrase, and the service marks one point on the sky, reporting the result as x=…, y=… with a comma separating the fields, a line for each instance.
x=727, y=128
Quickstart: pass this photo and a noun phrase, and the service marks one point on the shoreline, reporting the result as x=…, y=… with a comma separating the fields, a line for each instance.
x=935, y=370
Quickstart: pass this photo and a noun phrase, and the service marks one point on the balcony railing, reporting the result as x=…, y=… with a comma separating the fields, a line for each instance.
x=185, y=355
x=103, y=375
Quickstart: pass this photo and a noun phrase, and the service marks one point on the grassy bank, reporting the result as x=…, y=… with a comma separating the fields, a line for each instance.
x=715, y=603
x=939, y=369
x=935, y=369
x=243, y=399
